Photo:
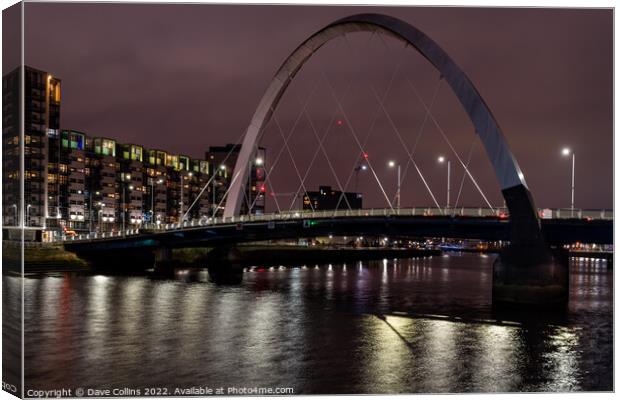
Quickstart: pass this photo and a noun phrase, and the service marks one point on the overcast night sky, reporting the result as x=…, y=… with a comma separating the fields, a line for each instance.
x=184, y=77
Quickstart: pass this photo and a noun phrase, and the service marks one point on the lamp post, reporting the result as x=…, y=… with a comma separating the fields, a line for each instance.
x=130, y=187
x=181, y=205
x=222, y=173
x=441, y=160
x=28, y=214
x=90, y=211
x=258, y=162
x=151, y=185
x=125, y=179
x=183, y=178
x=15, y=205
x=393, y=164
x=213, y=199
x=159, y=182
x=99, y=227
x=361, y=167
x=568, y=152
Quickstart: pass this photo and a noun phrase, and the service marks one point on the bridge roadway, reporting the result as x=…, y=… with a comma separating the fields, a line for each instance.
x=471, y=223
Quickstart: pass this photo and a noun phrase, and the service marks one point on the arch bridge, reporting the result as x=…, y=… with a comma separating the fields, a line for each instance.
x=528, y=272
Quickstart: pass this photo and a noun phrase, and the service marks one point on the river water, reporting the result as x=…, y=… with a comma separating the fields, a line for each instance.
x=391, y=326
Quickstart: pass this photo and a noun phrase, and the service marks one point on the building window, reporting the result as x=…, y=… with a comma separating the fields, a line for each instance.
x=136, y=153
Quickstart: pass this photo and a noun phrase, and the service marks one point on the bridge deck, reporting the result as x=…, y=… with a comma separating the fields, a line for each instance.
x=404, y=223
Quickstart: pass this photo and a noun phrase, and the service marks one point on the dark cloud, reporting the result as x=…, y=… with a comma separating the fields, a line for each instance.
x=183, y=77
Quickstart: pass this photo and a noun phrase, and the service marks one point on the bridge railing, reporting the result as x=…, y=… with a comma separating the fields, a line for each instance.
x=96, y=235
x=417, y=211
x=562, y=213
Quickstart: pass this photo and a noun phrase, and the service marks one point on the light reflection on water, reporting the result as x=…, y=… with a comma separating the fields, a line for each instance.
x=403, y=326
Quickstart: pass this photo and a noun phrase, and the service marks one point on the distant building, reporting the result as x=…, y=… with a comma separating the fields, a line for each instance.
x=222, y=160
x=326, y=199
x=131, y=168
x=41, y=120
x=200, y=178
x=156, y=183
x=103, y=175
x=67, y=191
x=88, y=183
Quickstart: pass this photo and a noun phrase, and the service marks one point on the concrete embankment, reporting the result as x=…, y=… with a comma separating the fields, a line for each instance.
x=601, y=255
x=268, y=255
x=39, y=257
x=286, y=255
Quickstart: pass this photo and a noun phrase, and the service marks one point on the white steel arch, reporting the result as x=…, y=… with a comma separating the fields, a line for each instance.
x=508, y=173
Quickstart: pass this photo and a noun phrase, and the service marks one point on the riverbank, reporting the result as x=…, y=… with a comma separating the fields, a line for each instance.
x=40, y=257
x=274, y=255
x=43, y=257
x=53, y=257
x=277, y=255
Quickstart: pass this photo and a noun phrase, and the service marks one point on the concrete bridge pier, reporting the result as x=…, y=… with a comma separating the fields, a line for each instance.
x=225, y=265
x=528, y=272
x=163, y=260
x=519, y=280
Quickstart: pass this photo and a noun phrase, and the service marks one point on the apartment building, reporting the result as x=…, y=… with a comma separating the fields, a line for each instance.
x=84, y=183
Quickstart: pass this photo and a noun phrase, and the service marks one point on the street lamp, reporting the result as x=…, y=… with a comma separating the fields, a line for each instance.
x=441, y=160
x=151, y=180
x=258, y=161
x=183, y=179
x=99, y=227
x=28, y=214
x=124, y=210
x=159, y=182
x=15, y=205
x=568, y=152
x=361, y=167
x=393, y=164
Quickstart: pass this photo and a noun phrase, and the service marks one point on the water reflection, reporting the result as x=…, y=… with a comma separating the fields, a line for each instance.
x=404, y=326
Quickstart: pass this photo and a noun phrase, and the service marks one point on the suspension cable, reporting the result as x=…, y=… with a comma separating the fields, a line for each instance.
x=290, y=153
x=450, y=144
x=422, y=126
x=469, y=156
x=206, y=185
x=322, y=148
x=404, y=145
x=372, y=124
x=359, y=144
x=281, y=151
